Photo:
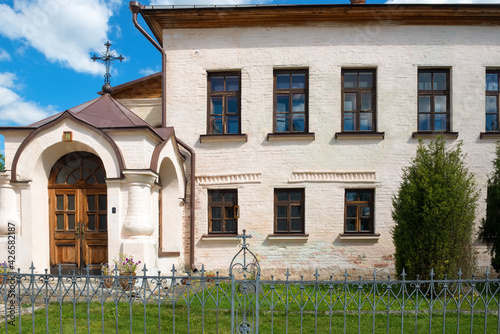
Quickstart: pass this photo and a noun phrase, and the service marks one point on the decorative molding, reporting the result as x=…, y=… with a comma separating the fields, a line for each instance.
x=237, y=138
x=312, y=176
x=371, y=237
x=281, y=136
x=229, y=178
x=359, y=135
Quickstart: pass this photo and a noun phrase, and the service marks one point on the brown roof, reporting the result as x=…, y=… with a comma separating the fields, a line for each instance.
x=143, y=88
x=180, y=17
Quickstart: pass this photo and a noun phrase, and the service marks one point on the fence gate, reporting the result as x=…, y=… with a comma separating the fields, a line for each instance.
x=245, y=284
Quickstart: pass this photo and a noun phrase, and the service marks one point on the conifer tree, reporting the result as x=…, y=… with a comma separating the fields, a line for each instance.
x=2, y=162
x=434, y=212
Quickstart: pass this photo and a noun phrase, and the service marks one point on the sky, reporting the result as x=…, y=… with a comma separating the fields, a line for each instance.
x=46, y=48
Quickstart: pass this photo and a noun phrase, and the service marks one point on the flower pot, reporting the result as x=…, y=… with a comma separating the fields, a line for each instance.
x=127, y=283
x=108, y=282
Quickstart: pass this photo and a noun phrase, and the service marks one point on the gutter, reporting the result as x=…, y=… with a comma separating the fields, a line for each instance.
x=135, y=8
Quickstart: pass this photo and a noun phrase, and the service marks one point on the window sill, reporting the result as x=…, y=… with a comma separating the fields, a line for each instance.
x=237, y=138
x=359, y=236
x=288, y=237
x=359, y=135
x=290, y=136
x=489, y=135
x=168, y=254
x=432, y=135
x=220, y=237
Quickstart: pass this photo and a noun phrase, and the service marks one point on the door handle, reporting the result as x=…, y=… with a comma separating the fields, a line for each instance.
x=82, y=230
x=77, y=230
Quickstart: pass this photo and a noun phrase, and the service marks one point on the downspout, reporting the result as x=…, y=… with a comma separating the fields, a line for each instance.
x=135, y=8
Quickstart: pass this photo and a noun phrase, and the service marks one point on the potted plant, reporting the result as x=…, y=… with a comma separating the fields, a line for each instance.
x=4, y=269
x=127, y=267
x=107, y=270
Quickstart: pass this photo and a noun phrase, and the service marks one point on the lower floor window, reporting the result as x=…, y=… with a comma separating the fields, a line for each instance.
x=223, y=211
x=359, y=210
x=289, y=211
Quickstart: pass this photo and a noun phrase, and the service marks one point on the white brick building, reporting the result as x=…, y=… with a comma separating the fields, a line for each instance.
x=300, y=119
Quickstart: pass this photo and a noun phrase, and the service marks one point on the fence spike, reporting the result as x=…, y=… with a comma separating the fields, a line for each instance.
x=173, y=270
x=287, y=274
x=346, y=275
x=460, y=273
x=32, y=268
x=144, y=270
x=316, y=274
x=487, y=272
x=432, y=274
x=403, y=274
x=59, y=268
x=202, y=271
x=374, y=274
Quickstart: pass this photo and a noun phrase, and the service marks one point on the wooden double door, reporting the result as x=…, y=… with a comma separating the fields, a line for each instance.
x=78, y=219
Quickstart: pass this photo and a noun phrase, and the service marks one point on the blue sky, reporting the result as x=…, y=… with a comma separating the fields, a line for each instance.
x=46, y=45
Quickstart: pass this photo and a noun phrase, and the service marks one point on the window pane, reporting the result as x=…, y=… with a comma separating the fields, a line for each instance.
x=283, y=81
x=100, y=175
x=298, y=102
x=298, y=80
x=281, y=225
x=89, y=164
x=71, y=222
x=491, y=81
x=86, y=174
x=350, y=80
x=365, y=196
x=230, y=197
x=296, y=211
x=103, y=203
x=71, y=202
x=282, y=103
x=103, y=222
x=61, y=176
x=351, y=225
x=365, y=225
x=282, y=196
x=349, y=102
x=60, y=202
x=296, y=225
x=424, y=122
x=232, y=105
x=231, y=226
x=216, y=124
x=492, y=122
x=91, y=223
x=282, y=212
x=439, y=81
x=349, y=121
x=216, y=102
x=298, y=123
x=365, y=212
x=424, y=81
x=351, y=196
x=217, y=84
x=60, y=222
x=365, y=122
x=216, y=213
x=440, y=103
x=71, y=179
x=232, y=84
x=229, y=212
x=424, y=104
x=282, y=123
x=352, y=211
x=365, y=80
x=440, y=122
x=91, y=202
x=216, y=226
x=295, y=196
x=366, y=101
x=232, y=124
x=491, y=104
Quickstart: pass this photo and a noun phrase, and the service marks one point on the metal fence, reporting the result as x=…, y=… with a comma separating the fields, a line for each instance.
x=242, y=302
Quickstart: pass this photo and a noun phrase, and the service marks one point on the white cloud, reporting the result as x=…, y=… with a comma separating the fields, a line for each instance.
x=14, y=109
x=442, y=1
x=65, y=31
x=207, y=2
x=149, y=70
x=4, y=55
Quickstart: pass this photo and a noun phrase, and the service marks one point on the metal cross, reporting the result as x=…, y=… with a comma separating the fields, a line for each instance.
x=244, y=236
x=107, y=58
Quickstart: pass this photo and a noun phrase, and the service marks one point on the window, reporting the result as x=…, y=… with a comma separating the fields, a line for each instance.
x=433, y=100
x=492, y=95
x=290, y=101
x=224, y=112
x=358, y=100
x=359, y=211
x=223, y=211
x=289, y=211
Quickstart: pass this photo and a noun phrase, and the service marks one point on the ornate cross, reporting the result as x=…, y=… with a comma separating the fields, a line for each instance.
x=244, y=237
x=107, y=58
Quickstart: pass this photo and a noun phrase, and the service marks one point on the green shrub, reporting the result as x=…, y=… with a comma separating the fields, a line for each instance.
x=2, y=162
x=434, y=212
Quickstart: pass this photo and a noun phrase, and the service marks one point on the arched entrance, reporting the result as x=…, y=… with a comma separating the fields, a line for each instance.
x=78, y=213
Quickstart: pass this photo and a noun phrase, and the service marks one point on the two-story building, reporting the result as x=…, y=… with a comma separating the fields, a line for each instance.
x=291, y=122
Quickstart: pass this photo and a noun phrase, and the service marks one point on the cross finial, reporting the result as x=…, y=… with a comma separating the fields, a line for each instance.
x=244, y=236
x=107, y=58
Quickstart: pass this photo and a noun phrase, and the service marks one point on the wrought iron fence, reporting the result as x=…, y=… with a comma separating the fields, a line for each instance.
x=242, y=302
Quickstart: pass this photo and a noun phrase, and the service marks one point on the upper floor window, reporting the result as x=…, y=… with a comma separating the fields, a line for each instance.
x=433, y=100
x=290, y=101
x=359, y=210
x=223, y=211
x=289, y=211
x=224, y=111
x=492, y=95
x=358, y=100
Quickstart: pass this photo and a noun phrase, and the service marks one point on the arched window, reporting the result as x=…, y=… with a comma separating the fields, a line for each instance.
x=78, y=168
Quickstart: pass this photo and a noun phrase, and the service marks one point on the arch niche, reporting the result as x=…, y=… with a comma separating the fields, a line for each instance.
x=78, y=213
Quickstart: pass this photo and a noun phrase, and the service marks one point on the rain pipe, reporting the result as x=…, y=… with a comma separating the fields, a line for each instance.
x=135, y=8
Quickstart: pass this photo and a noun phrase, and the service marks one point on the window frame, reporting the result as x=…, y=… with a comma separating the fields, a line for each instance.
x=224, y=94
x=222, y=205
x=495, y=93
x=358, y=91
x=291, y=91
x=360, y=204
x=289, y=204
x=432, y=93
